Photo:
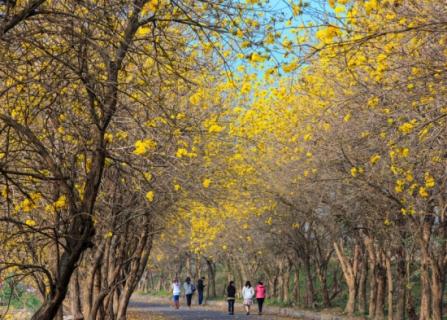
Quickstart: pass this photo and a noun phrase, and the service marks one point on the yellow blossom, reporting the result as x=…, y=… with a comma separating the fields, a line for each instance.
x=374, y=159
x=423, y=192
x=206, y=182
x=150, y=196
x=30, y=222
x=144, y=146
x=429, y=180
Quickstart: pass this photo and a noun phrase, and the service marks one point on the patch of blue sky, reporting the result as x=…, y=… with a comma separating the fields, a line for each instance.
x=292, y=24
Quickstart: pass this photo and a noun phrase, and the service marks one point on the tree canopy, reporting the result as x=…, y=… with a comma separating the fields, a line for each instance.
x=300, y=142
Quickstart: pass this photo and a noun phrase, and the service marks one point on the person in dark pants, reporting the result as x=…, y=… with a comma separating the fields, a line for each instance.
x=260, y=295
x=189, y=290
x=231, y=296
x=200, y=288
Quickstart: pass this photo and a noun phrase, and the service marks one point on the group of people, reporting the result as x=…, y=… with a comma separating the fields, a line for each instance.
x=189, y=289
x=248, y=294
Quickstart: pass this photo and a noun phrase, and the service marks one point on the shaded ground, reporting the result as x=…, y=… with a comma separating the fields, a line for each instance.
x=160, y=311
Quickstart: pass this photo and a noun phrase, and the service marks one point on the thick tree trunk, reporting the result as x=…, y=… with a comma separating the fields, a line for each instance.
x=350, y=270
x=60, y=313
x=380, y=300
x=212, y=279
x=137, y=268
x=322, y=277
x=67, y=266
x=310, y=291
x=75, y=297
x=437, y=281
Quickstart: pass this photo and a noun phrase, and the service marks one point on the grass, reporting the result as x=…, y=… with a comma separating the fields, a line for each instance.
x=18, y=297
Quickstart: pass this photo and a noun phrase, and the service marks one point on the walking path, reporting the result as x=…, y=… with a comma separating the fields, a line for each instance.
x=140, y=307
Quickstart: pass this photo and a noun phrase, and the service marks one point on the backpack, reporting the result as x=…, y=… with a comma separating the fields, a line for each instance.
x=193, y=288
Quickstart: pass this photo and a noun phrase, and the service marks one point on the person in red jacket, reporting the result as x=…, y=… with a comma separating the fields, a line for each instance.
x=260, y=295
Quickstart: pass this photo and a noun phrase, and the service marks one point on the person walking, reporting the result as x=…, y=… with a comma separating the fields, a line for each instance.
x=260, y=295
x=200, y=288
x=247, y=293
x=189, y=290
x=175, y=286
x=231, y=296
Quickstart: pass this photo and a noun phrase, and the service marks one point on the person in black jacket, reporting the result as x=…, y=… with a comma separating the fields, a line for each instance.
x=200, y=288
x=231, y=296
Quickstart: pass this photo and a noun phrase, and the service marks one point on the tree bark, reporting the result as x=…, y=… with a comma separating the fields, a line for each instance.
x=390, y=288
x=400, y=285
x=437, y=281
x=362, y=297
x=322, y=277
x=286, y=283
x=425, y=273
x=296, y=285
x=75, y=293
x=350, y=270
x=310, y=291
x=212, y=279
x=380, y=300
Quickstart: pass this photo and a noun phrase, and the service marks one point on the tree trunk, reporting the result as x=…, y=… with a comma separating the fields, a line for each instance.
x=400, y=285
x=212, y=279
x=411, y=309
x=75, y=293
x=389, y=282
x=68, y=263
x=296, y=286
x=310, y=291
x=137, y=268
x=280, y=279
x=60, y=313
x=425, y=273
x=372, y=292
x=160, y=282
x=380, y=300
x=362, y=297
x=437, y=281
x=286, y=283
x=322, y=277
x=373, y=281
x=350, y=270
x=275, y=286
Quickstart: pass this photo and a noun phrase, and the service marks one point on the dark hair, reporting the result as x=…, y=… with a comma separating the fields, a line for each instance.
x=188, y=279
x=248, y=284
x=231, y=283
x=260, y=282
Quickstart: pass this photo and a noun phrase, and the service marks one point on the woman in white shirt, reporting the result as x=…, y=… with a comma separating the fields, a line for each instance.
x=248, y=293
x=175, y=286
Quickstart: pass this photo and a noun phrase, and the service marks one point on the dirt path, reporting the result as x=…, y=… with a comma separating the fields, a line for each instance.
x=155, y=310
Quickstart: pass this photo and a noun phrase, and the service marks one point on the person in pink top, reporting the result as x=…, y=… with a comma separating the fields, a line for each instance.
x=260, y=295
